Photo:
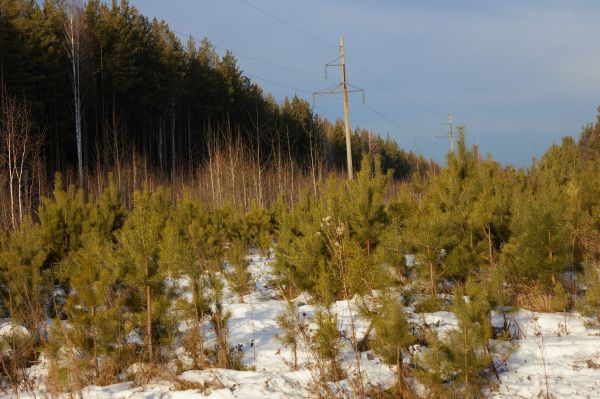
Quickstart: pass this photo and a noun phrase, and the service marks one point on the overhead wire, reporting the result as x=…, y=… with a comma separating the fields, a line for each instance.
x=278, y=83
x=283, y=67
x=295, y=28
x=402, y=129
x=405, y=130
x=383, y=84
x=366, y=70
x=264, y=62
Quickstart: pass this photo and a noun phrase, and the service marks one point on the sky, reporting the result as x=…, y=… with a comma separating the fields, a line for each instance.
x=519, y=75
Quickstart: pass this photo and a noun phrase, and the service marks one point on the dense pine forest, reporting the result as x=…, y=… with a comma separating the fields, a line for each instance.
x=139, y=173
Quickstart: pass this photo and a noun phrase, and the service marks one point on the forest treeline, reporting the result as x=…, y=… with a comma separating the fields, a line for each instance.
x=104, y=87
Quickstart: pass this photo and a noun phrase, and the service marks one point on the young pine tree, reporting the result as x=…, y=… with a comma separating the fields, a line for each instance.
x=219, y=320
x=455, y=363
x=107, y=214
x=392, y=337
x=540, y=247
x=24, y=284
x=289, y=321
x=192, y=246
x=62, y=219
x=239, y=277
x=139, y=249
x=92, y=307
x=258, y=228
x=367, y=210
x=327, y=342
x=427, y=236
x=23, y=291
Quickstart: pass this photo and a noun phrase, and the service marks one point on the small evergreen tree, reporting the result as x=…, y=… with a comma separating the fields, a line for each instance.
x=289, y=321
x=239, y=277
x=327, y=343
x=62, y=220
x=139, y=242
x=367, y=210
x=107, y=214
x=258, y=228
x=455, y=363
x=24, y=284
x=23, y=292
x=589, y=305
x=392, y=337
x=540, y=247
x=219, y=320
x=92, y=306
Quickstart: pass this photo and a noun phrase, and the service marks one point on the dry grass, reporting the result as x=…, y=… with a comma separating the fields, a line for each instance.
x=536, y=298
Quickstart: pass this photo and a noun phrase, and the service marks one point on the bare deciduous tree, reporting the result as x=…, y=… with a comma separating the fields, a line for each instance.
x=20, y=146
x=74, y=26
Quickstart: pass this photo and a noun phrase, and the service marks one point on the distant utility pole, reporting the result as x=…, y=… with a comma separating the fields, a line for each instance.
x=335, y=90
x=346, y=112
x=451, y=132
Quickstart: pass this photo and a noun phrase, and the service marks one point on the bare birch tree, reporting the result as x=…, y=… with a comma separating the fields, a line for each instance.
x=74, y=26
x=19, y=148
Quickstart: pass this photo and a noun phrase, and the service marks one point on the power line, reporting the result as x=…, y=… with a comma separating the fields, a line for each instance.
x=382, y=83
x=285, y=68
x=318, y=39
x=406, y=130
x=325, y=94
x=295, y=28
x=269, y=63
x=277, y=83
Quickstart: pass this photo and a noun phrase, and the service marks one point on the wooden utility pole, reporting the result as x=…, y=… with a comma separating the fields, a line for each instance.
x=346, y=113
x=451, y=133
x=344, y=89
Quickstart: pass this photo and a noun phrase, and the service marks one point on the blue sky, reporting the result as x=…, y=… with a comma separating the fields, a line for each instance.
x=518, y=74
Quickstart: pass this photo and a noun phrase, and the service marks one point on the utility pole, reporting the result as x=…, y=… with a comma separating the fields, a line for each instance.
x=346, y=112
x=449, y=123
x=336, y=90
x=451, y=133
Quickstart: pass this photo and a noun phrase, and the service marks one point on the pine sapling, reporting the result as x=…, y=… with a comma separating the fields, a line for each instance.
x=289, y=321
x=392, y=338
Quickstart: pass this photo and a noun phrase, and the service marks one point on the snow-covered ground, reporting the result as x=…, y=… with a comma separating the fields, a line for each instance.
x=555, y=354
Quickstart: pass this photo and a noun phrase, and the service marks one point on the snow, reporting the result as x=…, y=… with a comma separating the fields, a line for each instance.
x=554, y=353
x=7, y=328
